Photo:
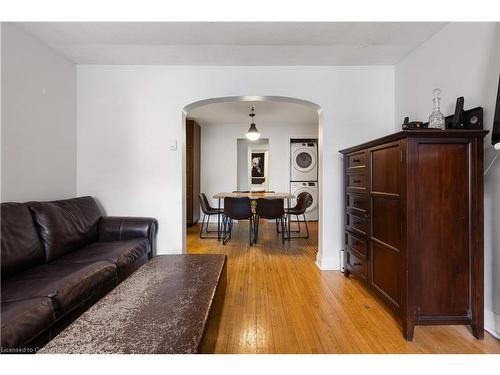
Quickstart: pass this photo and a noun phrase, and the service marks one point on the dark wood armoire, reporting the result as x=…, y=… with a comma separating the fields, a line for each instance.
x=414, y=224
x=193, y=160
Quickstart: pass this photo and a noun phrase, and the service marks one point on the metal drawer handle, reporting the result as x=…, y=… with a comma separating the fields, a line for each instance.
x=356, y=181
x=355, y=264
x=356, y=160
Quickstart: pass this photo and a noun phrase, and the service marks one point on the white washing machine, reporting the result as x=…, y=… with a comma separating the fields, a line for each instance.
x=312, y=189
x=304, y=161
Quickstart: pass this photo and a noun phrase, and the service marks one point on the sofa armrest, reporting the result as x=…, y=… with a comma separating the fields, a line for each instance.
x=116, y=228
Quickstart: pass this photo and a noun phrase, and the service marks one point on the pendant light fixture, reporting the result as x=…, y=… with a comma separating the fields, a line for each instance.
x=252, y=133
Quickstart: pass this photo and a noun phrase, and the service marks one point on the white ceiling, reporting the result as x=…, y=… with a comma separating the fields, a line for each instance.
x=233, y=43
x=267, y=113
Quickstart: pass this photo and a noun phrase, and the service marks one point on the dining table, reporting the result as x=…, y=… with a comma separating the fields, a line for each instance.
x=253, y=195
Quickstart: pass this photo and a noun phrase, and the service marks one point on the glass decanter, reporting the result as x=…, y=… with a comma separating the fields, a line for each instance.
x=436, y=119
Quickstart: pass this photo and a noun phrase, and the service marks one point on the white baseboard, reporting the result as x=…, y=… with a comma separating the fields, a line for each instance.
x=492, y=323
x=328, y=264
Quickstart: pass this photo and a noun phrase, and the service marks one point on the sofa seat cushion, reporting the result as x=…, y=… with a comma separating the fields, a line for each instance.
x=121, y=253
x=66, y=284
x=24, y=320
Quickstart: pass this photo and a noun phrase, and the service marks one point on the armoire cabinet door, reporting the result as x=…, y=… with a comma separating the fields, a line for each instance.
x=441, y=216
x=386, y=221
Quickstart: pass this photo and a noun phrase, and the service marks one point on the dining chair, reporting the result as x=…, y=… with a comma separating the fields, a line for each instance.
x=271, y=209
x=299, y=210
x=208, y=211
x=237, y=209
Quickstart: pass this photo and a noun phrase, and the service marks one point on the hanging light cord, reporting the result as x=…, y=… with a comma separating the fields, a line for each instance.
x=491, y=164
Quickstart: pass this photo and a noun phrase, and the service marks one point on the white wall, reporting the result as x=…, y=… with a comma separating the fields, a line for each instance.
x=38, y=120
x=219, y=154
x=242, y=164
x=463, y=59
x=128, y=114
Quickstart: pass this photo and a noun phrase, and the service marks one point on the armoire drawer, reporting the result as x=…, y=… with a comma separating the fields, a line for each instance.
x=357, y=245
x=356, y=223
x=357, y=202
x=356, y=160
x=356, y=264
x=356, y=182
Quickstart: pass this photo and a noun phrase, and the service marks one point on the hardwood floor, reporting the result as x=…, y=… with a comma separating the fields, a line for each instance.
x=278, y=301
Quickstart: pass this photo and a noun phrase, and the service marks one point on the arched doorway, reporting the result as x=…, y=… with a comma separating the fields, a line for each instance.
x=192, y=106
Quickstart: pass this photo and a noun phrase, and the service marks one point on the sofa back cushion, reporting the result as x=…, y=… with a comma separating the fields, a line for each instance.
x=66, y=225
x=20, y=245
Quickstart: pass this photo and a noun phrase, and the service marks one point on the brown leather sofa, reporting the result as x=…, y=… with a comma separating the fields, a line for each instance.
x=60, y=257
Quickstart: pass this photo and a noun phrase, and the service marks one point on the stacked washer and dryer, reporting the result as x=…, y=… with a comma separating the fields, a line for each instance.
x=304, y=173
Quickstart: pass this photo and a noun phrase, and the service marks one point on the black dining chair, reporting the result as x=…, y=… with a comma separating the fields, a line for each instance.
x=303, y=201
x=248, y=191
x=208, y=211
x=271, y=209
x=237, y=209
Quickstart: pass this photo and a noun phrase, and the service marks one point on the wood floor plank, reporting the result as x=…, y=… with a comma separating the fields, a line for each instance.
x=278, y=301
